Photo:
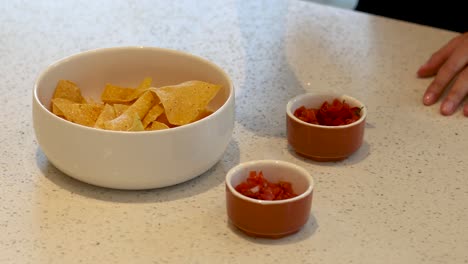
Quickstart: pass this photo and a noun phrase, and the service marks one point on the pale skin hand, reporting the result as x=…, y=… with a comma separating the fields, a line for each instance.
x=449, y=62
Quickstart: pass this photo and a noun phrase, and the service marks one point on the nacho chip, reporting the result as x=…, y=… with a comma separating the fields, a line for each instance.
x=143, y=104
x=163, y=119
x=107, y=114
x=68, y=90
x=136, y=94
x=128, y=121
x=130, y=109
x=83, y=114
x=146, y=83
x=184, y=102
x=155, y=125
x=152, y=114
x=114, y=94
x=203, y=114
x=56, y=103
x=137, y=125
x=120, y=108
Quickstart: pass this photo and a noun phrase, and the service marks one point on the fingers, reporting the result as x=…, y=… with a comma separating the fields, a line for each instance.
x=456, y=95
x=437, y=59
x=449, y=69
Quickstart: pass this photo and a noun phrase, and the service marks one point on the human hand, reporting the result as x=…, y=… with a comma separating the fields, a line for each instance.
x=447, y=64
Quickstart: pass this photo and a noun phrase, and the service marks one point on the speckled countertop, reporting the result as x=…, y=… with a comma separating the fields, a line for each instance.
x=402, y=198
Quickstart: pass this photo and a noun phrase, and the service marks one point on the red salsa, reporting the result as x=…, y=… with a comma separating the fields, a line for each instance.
x=257, y=187
x=335, y=114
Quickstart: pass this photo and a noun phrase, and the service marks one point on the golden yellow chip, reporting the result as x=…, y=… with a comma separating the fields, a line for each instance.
x=83, y=114
x=56, y=102
x=68, y=90
x=155, y=125
x=113, y=94
x=152, y=114
x=184, y=102
x=137, y=125
x=203, y=114
x=120, y=108
x=146, y=83
x=107, y=114
x=128, y=121
x=136, y=94
x=163, y=119
x=129, y=109
x=143, y=104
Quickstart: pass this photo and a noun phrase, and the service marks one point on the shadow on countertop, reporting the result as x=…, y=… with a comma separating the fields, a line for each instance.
x=269, y=81
x=200, y=184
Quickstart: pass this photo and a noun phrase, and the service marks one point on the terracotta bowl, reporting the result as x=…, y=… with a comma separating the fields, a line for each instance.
x=270, y=219
x=324, y=143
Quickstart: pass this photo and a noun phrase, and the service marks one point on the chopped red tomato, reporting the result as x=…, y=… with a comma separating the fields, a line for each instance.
x=257, y=187
x=335, y=114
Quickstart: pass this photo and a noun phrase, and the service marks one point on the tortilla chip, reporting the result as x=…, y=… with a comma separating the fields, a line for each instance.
x=137, y=125
x=128, y=121
x=83, y=114
x=163, y=119
x=68, y=90
x=120, y=108
x=146, y=83
x=143, y=87
x=114, y=94
x=155, y=125
x=203, y=114
x=107, y=114
x=152, y=114
x=143, y=104
x=56, y=103
x=130, y=109
x=184, y=102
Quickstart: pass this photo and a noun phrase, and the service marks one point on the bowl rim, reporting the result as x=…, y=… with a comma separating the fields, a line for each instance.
x=335, y=95
x=58, y=62
x=234, y=170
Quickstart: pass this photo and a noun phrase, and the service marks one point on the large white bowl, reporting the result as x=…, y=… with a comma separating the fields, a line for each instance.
x=132, y=160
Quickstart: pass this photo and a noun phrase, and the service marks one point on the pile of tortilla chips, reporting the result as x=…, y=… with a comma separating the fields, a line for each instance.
x=135, y=109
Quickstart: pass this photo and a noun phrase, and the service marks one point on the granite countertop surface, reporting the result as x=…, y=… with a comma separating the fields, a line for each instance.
x=402, y=198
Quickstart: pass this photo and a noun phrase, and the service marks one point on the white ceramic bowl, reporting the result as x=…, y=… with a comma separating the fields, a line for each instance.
x=132, y=160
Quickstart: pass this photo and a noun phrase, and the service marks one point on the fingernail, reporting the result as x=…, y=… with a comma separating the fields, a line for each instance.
x=447, y=107
x=425, y=64
x=418, y=73
x=422, y=67
x=428, y=98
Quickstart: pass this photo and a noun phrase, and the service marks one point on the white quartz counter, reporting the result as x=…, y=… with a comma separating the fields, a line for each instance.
x=402, y=198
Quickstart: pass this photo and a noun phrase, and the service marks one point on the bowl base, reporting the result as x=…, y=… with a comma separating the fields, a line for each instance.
x=270, y=236
x=321, y=159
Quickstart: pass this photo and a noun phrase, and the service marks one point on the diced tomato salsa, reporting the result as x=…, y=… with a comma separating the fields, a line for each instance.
x=335, y=114
x=257, y=187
